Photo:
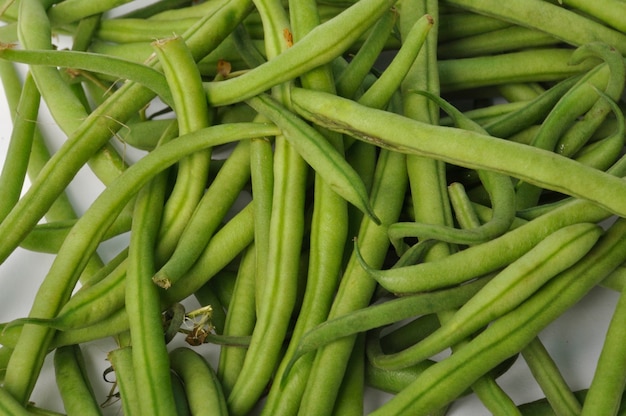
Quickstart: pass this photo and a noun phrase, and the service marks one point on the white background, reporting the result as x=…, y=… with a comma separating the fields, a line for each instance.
x=574, y=340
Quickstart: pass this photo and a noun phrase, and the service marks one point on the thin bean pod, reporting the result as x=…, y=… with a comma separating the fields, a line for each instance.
x=142, y=303
x=318, y=47
x=379, y=128
x=204, y=393
x=382, y=314
x=506, y=291
x=547, y=17
x=607, y=386
x=549, y=378
x=514, y=330
x=318, y=152
x=206, y=217
x=16, y=164
x=71, y=377
x=185, y=83
x=121, y=360
x=108, y=65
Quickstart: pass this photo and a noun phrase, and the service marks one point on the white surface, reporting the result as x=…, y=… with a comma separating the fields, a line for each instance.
x=574, y=340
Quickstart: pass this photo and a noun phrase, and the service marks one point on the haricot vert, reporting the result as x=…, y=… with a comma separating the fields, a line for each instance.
x=346, y=188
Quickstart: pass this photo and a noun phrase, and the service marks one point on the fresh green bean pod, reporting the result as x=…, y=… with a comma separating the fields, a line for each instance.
x=550, y=379
x=10, y=406
x=71, y=377
x=607, y=386
x=121, y=360
x=109, y=65
x=318, y=47
x=535, y=65
x=354, y=292
x=506, y=291
x=385, y=313
x=185, y=82
x=203, y=389
x=352, y=77
x=497, y=41
x=373, y=126
x=460, y=24
x=15, y=167
x=69, y=11
x=318, y=152
x=142, y=303
x=510, y=333
x=557, y=21
x=240, y=320
x=207, y=215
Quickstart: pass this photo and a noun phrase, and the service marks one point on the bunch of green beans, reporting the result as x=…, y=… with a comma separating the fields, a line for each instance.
x=309, y=207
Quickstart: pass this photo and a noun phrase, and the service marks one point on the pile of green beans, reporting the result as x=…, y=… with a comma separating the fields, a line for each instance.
x=304, y=203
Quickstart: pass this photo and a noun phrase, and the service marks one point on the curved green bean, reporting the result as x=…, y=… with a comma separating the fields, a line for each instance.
x=485, y=152
x=203, y=389
x=71, y=377
x=506, y=291
x=510, y=333
x=318, y=47
x=103, y=64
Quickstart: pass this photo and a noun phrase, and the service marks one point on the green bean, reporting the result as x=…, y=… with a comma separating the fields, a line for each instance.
x=115, y=67
x=10, y=406
x=129, y=30
x=69, y=11
x=497, y=41
x=606, y=11
x=34, y=33
x=318, y=152
x=609, y=379
x=461, y=24
x=499, y=188
x=385, y=313
x=352, y=391
x=583, y=129
x=509, y=333
x=64, y=272
x=355, y=292
x=519, y=280
x=546, y=64
x=379, y=128
x=155, y=8
x=521, y=91
x=142, y=303
x=96, y=129
x=192, y=112
x=173, y=319
x=16, y=164
x=536, y=110
x=202, y=387
x=121, y=360
x=351, y=78
x=549, y=378
x=182, y=407
x=240, y=320
x=76, y=392
x=318, y=47
x=402, y=62
x=207, y=215
x=557, y=21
